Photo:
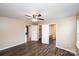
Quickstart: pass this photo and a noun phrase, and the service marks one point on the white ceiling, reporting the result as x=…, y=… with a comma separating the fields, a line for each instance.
x=49, y=11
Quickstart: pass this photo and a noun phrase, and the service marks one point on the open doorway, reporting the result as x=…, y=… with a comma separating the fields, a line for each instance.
x=40, y=33
x=28, y=33
x=52, y=34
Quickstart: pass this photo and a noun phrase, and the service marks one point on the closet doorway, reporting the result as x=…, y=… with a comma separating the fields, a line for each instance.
x=28, y=33
x=40, y=33
x=52, y=34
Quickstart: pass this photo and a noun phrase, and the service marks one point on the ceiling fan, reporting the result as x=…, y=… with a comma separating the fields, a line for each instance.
x=35, y=17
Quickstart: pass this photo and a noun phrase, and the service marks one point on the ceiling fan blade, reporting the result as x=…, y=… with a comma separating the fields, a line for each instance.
x=39, y=15
x=40, y=19
x=27, y=15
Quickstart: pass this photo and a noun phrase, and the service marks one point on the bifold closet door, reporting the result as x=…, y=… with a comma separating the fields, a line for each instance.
x=45, y=33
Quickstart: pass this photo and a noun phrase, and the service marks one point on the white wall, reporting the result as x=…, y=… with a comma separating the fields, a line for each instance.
x=34, y=33
x=45, y=33
x=65, y=32
x=77, y=32
x=12, y=32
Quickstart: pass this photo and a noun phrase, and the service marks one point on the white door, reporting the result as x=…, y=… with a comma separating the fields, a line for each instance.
x=77, y=34
x=45, y=34
x=34, y=33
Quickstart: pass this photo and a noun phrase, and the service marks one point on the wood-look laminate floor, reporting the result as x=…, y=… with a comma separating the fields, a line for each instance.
x=35, y=49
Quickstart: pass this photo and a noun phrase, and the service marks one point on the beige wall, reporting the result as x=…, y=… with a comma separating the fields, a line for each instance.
x=65, y=32
x=12, y=32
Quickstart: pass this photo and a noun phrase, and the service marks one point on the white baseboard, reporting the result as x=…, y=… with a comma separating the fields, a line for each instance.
x=66, y=49
x=11, y=46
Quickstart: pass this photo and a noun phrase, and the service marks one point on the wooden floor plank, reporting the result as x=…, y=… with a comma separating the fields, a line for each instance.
x=35, y=49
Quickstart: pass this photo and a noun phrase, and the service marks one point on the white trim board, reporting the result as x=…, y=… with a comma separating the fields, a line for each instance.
x=66, y=49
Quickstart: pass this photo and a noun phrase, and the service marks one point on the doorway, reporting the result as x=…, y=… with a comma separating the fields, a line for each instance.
x=28, y=33
x=40, y=33
x=52, y=34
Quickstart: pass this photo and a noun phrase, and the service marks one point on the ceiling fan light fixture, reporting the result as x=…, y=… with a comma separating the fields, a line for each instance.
x=35, y=20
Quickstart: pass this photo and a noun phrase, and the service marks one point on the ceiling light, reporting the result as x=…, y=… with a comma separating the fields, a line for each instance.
x=35, y=20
